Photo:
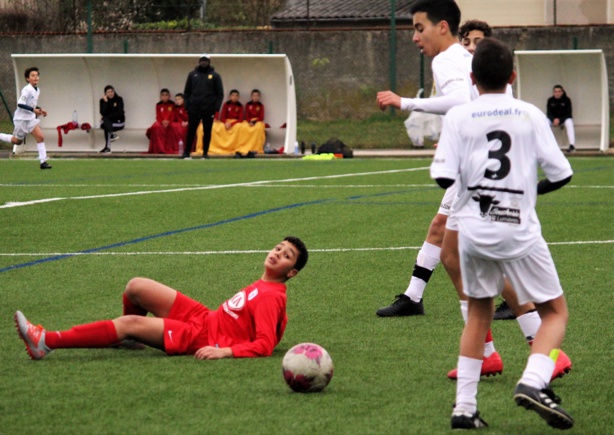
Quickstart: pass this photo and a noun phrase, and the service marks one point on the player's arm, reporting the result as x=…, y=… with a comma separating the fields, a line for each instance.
x=210, y=352
x=546, y=186
x=266, y=317
x=445, y=166
x=550, y=158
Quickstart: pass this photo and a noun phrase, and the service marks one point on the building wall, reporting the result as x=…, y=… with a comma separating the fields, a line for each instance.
x=538, y=12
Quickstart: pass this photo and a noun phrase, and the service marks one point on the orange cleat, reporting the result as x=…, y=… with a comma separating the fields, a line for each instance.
x=32, y=336
x=491, y=366
x=562, y=366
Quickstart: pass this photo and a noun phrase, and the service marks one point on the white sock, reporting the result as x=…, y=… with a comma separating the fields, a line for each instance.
x=467, y=383
x=489, y=349
x=529, y=324
x=538, y=372
x=6, y=137
x=464, y=307
x=42, y=152
x=426, y=262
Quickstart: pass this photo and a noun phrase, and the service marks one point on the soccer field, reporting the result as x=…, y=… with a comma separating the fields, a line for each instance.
x=72, y=237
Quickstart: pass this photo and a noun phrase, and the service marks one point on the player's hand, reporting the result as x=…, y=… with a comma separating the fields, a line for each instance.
x=388, y=98
x=228, y=125
x=165, y=122
x=104, y=98
x=210, y=352
x=43, y=112
x=556, y=122
x=435, y=145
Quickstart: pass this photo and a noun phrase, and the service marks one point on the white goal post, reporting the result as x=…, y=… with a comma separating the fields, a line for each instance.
x=584, y=76
x=72, y=82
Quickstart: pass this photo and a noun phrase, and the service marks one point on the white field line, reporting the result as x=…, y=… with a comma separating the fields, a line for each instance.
x=221, y=186
x=260, y=185
x=258, y=251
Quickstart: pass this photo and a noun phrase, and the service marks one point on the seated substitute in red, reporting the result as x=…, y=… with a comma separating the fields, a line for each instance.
x=232, y=110
x=254, y=110
x=179, y=124
x=159, y=132
x=250, y=324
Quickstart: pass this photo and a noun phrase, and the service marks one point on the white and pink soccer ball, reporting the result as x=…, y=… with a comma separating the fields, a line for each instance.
x=307, y=368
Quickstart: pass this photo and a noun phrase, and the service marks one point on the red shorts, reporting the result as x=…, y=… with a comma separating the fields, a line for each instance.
x=185, y=329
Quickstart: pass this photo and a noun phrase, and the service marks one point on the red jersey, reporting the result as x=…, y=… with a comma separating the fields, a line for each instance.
x=252, y=322
x=165, y=111
x=254, y=112
x=232, y=112
x=181, y=114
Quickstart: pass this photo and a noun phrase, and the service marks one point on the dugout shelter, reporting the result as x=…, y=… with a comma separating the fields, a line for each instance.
x=583, y=74
x=75, y=82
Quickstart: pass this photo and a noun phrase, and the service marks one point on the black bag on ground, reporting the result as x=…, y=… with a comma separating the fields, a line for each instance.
x=335, y=146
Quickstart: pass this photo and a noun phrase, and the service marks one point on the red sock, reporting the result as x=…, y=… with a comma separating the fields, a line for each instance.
x=488, y=336
x=132, y=308
x=97, y=334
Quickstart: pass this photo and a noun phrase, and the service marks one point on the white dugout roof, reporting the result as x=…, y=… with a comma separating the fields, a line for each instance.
x=72, y=82
x=583, y=75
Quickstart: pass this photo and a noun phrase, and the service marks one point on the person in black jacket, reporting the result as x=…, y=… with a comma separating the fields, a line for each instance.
x=113, y=117
x=559, y=114
x=204, y=94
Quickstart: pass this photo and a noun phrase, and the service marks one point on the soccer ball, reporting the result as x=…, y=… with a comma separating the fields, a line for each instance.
x=307, y=368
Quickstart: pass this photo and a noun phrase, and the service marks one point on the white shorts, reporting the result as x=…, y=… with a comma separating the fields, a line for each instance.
x=448, y=200
x=533, y=277
x=23, y=127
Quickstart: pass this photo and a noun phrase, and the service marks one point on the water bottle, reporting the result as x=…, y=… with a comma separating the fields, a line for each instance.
x=267, y=148
x=180, y=146
x=75, y=121
x=296, y=148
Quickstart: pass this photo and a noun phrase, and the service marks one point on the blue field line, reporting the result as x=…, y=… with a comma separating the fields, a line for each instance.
x=165, y=234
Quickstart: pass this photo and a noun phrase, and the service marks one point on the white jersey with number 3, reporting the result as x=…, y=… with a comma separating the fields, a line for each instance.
x=496, y=143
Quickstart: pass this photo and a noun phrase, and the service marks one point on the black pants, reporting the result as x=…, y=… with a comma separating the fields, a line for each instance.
x=109, y=125
x=194, y=119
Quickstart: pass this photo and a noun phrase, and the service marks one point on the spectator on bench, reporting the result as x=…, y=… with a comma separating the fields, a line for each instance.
x=113, y=117
x=160, y=132
x=559, y=114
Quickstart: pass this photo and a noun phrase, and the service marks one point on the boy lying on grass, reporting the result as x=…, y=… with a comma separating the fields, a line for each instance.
x=250, y=324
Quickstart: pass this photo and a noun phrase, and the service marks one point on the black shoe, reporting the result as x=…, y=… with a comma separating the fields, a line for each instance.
x=205, y=156
x=45, y=165
x=463, y=420
x=185, y=157
x=504, y=312
x=402, y=306
x=238, y=155
x=545, y=403
x=105, y=150
x=571, y=148
x=113, y=137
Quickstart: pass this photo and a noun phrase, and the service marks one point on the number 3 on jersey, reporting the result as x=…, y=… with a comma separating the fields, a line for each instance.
x=500, y=155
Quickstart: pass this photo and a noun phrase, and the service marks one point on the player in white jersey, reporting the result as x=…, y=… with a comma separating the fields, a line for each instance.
x=25, y=118
x=436, y=27
x=492, y=147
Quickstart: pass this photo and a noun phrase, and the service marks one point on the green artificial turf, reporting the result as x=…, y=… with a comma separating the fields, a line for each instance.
x=190, y=225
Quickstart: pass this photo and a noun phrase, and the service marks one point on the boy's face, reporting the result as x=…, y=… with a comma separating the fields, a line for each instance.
x=470, y=41
x=179, y=100
x=165, y=96
x=110, y=93
x=427, y=35
x=557, y=92
x=281, y=260
x=33, y=78
x=255, y=97
x=234, y=97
